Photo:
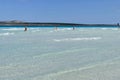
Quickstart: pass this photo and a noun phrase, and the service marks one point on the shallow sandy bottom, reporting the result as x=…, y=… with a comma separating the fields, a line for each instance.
x=45, y=54
x=109, y=71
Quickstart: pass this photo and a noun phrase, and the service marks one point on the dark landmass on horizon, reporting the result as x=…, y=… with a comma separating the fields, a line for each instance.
x=50, y=24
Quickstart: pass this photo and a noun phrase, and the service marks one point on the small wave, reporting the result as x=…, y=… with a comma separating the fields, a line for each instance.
x=64, y=29
x=6, y=34
x=104, y=28
x=13, y=29
x=77, y=39
x=115, y=29
x=51, y=31
x=35, y=31
x=109, y=28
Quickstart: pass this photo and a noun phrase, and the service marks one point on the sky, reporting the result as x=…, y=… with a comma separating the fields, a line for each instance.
x=70, y=11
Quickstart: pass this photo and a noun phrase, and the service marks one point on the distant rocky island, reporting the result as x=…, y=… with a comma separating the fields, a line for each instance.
x=44, y=24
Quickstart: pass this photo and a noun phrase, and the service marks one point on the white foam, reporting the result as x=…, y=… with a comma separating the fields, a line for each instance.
x=6, y=34
x=77, y=39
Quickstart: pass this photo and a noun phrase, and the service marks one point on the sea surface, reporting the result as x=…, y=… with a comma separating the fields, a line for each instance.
x=62, y=54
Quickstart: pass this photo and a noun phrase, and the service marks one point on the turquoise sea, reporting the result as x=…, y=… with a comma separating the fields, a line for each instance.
x=63, y=54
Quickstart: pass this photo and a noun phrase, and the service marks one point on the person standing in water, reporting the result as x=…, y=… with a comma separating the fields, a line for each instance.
x=25, y=29
x=56, y=28
x=73, y=28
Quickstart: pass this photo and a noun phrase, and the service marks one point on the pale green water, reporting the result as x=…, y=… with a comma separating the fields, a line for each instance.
x=65, y=54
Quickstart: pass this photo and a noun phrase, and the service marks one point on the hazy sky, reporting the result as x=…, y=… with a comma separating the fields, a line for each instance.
x=75, y=11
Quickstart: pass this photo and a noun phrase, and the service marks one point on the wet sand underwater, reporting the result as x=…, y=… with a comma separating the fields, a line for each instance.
x=65, y=54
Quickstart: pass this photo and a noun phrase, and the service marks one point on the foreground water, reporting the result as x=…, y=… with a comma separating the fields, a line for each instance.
x=65, y=54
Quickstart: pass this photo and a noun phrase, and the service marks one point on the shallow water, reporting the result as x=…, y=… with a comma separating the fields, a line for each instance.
x=65, y=54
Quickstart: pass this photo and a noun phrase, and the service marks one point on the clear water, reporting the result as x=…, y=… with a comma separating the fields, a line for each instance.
x=63, y=54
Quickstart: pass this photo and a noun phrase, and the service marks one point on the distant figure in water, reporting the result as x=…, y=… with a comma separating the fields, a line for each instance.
x=118, y=24
x=25, y=29
x=56, y=28
x=73, y=28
